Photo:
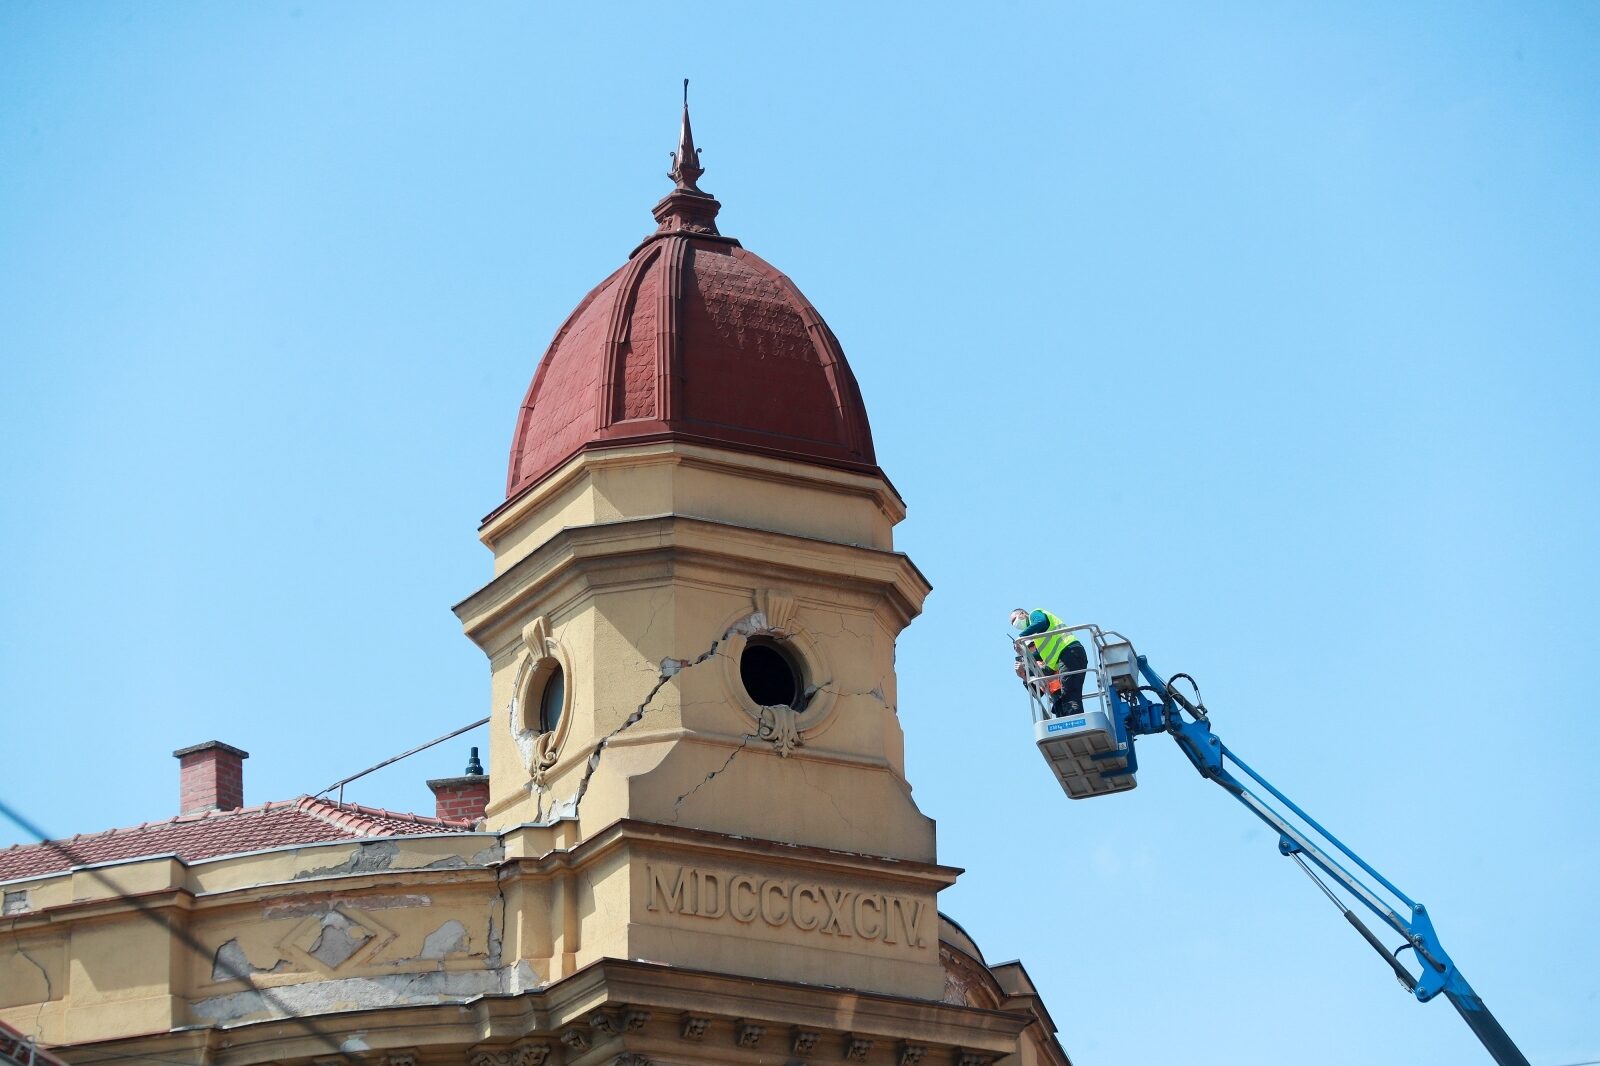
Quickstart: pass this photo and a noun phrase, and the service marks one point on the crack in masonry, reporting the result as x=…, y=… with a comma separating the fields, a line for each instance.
x=677, y=803
x=495, y=936
x=406, y=988
x=806, y=775
x=876, y=692
x=845, y=627
x=671, y=668
x=655, y=610
x=49, y=989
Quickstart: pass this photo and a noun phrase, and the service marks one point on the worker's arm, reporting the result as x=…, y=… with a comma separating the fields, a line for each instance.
x=1037, y=623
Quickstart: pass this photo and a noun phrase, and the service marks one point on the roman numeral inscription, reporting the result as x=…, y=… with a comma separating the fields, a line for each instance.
x=806, y=905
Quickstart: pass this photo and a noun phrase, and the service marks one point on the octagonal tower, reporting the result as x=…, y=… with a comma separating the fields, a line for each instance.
x=692, y=621
x=699, y=844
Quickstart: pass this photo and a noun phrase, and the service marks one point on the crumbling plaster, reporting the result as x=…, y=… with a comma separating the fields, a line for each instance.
x=350, y=926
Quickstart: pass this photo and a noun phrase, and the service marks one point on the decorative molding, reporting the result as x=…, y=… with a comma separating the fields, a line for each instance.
x=694, y=1026
x=605, y=1023
x=634, y=1018
x=544, y=655
x=973, y=1058
x=530, y=1053
x=911, y=1054
x=543, y=759
x=777, y=726
x=399, y=1058
x=804, y=1041
x=525, y=1053
x=748, y=1034
x=574, y=1038
x=630, y=1059
x=774, y=610
x=333, y=938
x=536, y=638
x=856, y=1048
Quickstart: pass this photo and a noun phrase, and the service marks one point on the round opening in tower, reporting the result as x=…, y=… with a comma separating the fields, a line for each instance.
x=770, y=676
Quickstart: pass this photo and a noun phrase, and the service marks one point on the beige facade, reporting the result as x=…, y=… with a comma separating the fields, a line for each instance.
x=700, y=842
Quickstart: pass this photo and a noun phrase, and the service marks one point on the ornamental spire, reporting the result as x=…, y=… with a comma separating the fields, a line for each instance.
x=686, y=168
x=687, y=208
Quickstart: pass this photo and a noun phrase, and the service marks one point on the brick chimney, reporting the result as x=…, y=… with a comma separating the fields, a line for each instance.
x=462, y=798
x=210, y=777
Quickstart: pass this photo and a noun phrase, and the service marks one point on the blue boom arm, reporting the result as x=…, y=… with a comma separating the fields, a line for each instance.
x=1175, y=714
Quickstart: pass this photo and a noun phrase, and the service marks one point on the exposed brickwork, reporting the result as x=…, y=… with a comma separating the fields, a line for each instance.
x=460, y=798
x=210, y=777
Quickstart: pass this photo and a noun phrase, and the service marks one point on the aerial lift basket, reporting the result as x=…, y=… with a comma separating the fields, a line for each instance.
x=1088, y=751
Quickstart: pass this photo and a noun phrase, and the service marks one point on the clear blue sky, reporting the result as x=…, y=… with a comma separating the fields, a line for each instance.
x=1266, y=334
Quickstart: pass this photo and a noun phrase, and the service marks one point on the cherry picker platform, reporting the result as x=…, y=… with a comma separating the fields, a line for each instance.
x=1091, y=750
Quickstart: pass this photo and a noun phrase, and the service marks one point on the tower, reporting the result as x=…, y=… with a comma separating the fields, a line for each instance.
x=692, y=619
x=699, y=844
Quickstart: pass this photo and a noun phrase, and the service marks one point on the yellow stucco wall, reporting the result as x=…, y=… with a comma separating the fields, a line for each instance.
x=668, y=820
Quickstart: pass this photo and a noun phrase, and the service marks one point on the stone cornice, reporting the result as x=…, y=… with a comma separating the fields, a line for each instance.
x=780, y=471
x=612, y=552
x=187, y=895
x=608, y=1007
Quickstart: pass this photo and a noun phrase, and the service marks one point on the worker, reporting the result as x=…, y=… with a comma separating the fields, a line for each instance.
x=1060, y=654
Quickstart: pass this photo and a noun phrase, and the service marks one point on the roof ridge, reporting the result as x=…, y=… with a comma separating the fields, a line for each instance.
x=355, y=816
x=409, y=816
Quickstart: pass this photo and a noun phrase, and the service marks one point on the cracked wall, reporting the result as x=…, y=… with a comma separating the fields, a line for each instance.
x=659, y=725
x=650, y=571
x=599, y=554
x=693, y=750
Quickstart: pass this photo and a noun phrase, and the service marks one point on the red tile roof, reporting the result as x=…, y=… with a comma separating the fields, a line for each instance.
x=306, y=820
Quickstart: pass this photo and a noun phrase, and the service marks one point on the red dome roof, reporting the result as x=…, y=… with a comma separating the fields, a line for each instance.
x=693, y=339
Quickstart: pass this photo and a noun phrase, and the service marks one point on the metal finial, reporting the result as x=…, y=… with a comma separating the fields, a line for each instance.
x=686, y=168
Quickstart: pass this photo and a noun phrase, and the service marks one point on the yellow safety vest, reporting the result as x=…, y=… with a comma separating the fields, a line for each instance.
x=1051, y=649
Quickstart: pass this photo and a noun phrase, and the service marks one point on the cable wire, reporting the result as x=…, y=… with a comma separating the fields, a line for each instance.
x=343, y=781
x=149, y=912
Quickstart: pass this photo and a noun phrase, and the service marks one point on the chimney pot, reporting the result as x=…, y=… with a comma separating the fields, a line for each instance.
x=462, y=798
x=210, y=777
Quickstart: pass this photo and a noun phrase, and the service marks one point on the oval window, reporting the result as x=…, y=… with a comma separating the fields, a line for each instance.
x=768, y=675
x=551, y=701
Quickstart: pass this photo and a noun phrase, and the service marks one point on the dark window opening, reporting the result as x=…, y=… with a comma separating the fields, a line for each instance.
x=551, y=699
x=769, y=676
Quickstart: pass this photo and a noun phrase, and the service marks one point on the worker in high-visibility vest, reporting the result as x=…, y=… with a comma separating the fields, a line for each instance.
x=1061, y=654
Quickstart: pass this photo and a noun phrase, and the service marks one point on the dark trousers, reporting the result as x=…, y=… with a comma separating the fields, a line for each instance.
x=1074, y=661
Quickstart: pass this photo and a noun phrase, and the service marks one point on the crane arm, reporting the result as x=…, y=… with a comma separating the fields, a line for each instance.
x=1306, y=841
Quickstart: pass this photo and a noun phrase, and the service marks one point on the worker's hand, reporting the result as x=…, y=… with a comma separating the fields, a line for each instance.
x=1020, y=671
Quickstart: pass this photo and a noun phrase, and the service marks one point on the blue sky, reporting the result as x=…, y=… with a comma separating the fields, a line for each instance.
x=1265, y=334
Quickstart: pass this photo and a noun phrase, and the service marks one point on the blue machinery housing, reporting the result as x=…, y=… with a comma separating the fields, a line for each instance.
x=1092, y=752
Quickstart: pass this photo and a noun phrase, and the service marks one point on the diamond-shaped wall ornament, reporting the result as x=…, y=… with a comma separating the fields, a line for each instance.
x=335, y=938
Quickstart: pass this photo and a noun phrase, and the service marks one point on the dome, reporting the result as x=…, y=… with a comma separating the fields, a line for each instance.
x=693, y=339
